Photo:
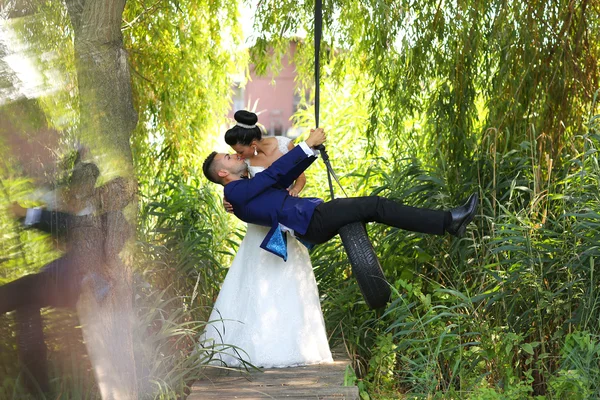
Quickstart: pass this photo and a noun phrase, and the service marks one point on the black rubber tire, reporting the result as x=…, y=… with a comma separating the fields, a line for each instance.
x=365, y=265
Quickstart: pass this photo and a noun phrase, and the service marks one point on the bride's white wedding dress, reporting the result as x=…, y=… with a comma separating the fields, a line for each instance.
x=268, y=308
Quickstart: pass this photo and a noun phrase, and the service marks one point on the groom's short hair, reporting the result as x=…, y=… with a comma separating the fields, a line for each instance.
x=210, y=168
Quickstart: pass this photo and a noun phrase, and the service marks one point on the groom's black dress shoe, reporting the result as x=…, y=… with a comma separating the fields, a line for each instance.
x=461, y=216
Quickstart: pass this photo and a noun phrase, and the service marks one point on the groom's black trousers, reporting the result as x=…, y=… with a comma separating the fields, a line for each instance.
x=56, y=285
x=330, y=216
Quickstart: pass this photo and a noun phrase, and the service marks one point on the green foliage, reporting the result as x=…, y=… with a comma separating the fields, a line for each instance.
x=423, y=102
x=578, y=375
x=484, y=316
x=472, y=96
x=47, y=38
x=182, y=55
x=168, y=356
x=454, y=70
x=488, y=314
x=68, y=365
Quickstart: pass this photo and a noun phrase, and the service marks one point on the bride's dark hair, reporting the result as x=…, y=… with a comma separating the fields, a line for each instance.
x=245, y=131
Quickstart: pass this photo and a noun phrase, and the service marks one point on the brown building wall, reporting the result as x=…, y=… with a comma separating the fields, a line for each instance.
x=272, y=98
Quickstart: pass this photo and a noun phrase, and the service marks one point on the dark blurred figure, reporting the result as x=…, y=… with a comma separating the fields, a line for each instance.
x=58, y=283
x=85, y=229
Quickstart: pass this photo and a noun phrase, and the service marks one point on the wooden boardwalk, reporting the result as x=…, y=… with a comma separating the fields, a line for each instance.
x=323, y=382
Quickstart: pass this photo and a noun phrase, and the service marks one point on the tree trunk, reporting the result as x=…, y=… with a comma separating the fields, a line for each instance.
x=107, y=119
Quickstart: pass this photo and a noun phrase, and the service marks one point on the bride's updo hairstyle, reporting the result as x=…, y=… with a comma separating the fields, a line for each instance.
x=245, y=130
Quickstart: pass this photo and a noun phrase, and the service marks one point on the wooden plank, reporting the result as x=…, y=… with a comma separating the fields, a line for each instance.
x=320, y=381
x=288, y=392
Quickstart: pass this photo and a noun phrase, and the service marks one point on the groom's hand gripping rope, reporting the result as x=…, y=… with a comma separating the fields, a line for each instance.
x=316, y=138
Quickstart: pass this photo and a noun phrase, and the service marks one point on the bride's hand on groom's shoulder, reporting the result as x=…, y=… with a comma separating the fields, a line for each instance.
x=227, y=205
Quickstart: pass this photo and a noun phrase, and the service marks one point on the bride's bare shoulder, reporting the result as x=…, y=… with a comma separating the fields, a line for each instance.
x=271, y=141
x=272, y=145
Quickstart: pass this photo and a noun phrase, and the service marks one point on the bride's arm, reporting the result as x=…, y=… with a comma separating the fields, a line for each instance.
x=287, y=166
x=300, y=181
x=298, y=159
x=298, y=185
x=227, y=205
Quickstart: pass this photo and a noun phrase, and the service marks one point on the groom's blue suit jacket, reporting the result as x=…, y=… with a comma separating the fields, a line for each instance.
x=264, y=200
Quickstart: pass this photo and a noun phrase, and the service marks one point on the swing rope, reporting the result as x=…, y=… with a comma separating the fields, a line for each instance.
x=365, y=264
x=321, y=148
x=318, y=32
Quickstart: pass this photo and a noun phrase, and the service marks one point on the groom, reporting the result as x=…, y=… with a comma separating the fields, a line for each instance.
x=264, y=200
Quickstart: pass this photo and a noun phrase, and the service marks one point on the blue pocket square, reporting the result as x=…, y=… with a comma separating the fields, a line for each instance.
x=277, y=244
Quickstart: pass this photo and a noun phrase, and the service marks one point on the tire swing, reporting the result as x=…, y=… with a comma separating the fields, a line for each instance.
x=365, y=264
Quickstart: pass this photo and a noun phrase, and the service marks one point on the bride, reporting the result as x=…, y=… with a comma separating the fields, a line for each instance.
x=268, y=312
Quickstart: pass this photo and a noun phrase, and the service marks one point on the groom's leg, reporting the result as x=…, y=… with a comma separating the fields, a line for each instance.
x=329, y=217
x=55, y=285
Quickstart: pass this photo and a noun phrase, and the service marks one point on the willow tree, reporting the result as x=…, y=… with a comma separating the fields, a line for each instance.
x=470, y=89
x=107, y=119
x=184, y=55
x=460, y=68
